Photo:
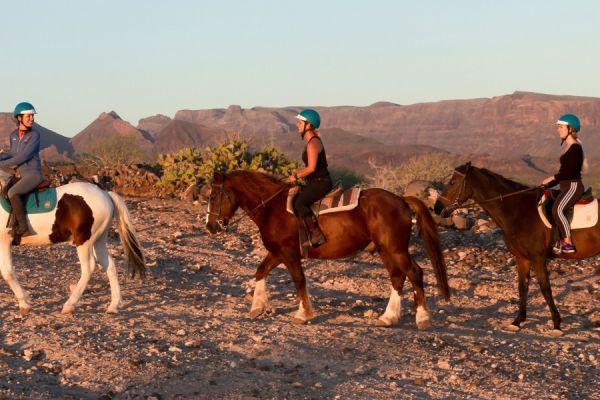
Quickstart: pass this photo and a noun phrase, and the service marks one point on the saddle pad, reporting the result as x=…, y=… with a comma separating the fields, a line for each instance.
x=584, y=215
x=334, y=201
x=46, y=198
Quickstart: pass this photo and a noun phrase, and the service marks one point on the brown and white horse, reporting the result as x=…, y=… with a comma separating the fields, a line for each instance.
x=82, y=217
x=381, y=217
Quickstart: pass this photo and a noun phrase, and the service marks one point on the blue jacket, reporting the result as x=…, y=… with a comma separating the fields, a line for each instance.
x=24, y=154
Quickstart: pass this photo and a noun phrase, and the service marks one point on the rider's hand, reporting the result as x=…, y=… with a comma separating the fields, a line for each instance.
x=292, y=178
x=547, y=180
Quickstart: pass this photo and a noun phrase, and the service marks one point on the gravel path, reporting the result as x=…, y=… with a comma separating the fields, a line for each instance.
x=185, y=332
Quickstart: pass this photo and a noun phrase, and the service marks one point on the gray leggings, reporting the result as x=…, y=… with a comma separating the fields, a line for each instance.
x=25, y=185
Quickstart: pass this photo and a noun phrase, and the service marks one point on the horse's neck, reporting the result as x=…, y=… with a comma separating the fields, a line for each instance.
x=507, y=212
x=252, y=192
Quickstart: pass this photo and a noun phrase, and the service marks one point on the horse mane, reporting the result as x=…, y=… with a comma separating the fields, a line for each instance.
x=504, y=184
x=255, y=183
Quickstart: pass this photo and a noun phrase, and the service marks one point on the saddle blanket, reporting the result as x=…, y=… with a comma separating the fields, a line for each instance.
x=584, y=215
x=335, y=201
x=45, y=202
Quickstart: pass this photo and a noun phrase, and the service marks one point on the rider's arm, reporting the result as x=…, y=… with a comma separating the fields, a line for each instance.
x=32, y=146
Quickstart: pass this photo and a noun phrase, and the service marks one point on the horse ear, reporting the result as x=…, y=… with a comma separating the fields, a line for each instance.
x=468, y=165
x=218, y=177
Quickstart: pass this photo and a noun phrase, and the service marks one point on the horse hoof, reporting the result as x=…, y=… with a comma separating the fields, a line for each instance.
x=382, y=322
x=556, y=333
x=68, y=309
x=423, y=324
x=24, y=310
x=512, y=328
x=112, y=310
x=256, y=312
x=299, y=321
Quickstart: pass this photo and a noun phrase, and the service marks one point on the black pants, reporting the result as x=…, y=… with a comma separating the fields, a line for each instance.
x=310, y=193
x=570, y=192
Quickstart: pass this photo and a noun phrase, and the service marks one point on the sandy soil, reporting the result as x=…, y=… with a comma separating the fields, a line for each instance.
x=185, y=331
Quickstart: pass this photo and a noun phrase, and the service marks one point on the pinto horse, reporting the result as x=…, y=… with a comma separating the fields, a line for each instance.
x=381, y=217
x=83, y=216
x=513, y=207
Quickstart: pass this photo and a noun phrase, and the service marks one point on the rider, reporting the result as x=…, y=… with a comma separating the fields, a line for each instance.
x=318, y=180
x=24, y=156
x=572, y=162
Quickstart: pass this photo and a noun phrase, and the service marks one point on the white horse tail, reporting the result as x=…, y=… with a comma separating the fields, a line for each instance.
x=133, y=249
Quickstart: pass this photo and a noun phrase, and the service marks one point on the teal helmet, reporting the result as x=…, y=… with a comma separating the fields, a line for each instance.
x=570, y=120
x=310, y=116
x=24, y=108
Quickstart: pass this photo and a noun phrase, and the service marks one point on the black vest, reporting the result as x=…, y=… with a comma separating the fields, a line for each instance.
x=321, y=171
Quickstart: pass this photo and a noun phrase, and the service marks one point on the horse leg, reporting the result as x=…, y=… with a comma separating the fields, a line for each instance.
x=8, y=273
x=305, y=311
x=523, y=270
x=544, y=280
x=260, y=299
x=84, y=253
x=392, y=313
x=107, y=263
x=401, y=259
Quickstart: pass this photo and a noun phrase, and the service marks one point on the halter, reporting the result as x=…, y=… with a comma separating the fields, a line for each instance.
x=455, y=204
x=220, y=221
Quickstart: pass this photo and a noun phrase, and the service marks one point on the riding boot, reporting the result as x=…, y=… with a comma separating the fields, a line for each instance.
x=20, y=227
x=315, y=236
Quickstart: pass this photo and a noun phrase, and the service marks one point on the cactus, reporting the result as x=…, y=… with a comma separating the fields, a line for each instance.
x=196, y=166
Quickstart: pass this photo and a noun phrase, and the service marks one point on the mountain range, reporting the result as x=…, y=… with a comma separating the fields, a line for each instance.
x=518, y=126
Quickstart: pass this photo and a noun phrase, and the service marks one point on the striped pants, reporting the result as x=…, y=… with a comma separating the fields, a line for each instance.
x=570, y=192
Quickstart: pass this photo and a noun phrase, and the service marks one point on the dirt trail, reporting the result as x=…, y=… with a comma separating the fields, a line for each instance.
x=185, y=332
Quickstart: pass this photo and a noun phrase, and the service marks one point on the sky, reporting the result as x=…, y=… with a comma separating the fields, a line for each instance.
x=76, y=59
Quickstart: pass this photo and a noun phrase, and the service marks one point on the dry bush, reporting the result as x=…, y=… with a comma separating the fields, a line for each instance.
x=433, y=167
x=113, y=151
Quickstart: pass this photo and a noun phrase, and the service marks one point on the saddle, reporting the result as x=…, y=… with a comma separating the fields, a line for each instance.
x=40, y=200
x=336, y=200
x=583, y=215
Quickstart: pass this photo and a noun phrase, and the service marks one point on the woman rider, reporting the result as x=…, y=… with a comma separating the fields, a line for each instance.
x=24, y=155
x=572, y=161
x=315, y=173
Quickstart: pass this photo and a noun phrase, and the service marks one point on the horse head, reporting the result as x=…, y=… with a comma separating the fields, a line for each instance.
x=456, y=192
x=221, y=204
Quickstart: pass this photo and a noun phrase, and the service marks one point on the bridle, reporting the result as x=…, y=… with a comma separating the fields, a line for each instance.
x=220, y=220
x=455, y=204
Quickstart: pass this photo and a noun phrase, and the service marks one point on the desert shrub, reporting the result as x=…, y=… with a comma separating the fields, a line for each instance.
x=180, y=169
x=113, y=151
x=433, y=167
x=345, y=177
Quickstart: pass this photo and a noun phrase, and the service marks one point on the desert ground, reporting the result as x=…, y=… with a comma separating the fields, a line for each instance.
x=185, y=333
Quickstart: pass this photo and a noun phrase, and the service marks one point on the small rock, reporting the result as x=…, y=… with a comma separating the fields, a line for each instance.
x=174, y=349
x=443, y=364
x=298, y=384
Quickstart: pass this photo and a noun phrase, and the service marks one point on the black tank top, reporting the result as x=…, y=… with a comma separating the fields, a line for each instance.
x=321, y=171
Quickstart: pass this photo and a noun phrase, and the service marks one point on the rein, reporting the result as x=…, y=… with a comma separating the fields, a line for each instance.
x=501, y=197
x=237, y=219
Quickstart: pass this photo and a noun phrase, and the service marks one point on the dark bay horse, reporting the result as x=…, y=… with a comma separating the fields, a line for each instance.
x=381, y=217
x=513, y=207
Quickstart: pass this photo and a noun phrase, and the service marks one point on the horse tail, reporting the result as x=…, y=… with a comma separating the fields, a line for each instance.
x=136, y=264
x=429, y=234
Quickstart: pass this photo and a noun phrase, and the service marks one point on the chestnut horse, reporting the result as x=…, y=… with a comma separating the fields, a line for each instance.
x=513, y=207
x=380, y=217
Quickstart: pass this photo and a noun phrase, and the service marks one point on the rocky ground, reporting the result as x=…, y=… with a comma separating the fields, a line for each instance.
x=185, y=332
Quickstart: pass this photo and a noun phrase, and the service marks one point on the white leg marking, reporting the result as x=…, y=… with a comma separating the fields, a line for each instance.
x=391, y=316
x=259, y=300
x=304, y=313
x=422, y=318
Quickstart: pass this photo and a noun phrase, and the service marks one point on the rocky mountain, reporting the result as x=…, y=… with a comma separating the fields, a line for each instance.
x=153, y=124
x=177, y=134
x=106, y=125
x=55, y=147
x=520, y=123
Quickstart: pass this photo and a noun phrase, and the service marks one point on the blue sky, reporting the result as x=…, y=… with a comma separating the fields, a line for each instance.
x=76, y=59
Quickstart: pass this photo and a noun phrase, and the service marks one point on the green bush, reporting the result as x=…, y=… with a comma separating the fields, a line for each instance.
x=195, y=166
